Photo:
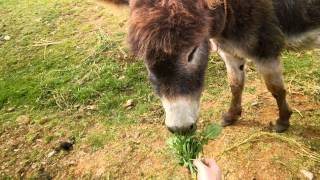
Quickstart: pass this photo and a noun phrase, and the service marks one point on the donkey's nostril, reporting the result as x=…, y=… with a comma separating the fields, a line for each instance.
x=193, y=128
x=183, y=130
x=172, y=130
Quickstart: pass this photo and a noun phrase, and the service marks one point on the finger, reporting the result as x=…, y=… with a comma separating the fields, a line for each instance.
x=199, y=164
x=211, y=163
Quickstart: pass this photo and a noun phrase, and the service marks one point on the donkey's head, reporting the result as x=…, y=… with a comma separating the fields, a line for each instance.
x=173, y=38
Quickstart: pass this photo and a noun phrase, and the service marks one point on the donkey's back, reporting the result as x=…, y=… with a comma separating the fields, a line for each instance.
x=300, y=21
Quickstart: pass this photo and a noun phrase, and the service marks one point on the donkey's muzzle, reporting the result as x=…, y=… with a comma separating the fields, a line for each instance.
x=181, y=114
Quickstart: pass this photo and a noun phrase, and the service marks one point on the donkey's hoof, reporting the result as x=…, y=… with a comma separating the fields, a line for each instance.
x=228, y=120
x=281, y=127
x=228, y=123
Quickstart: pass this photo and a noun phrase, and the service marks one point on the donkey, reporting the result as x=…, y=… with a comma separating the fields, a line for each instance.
x=173, y=37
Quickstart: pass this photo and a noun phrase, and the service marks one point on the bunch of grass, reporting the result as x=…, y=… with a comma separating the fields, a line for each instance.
x=188, y=147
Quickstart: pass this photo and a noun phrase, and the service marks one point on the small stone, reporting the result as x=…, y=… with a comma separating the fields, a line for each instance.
x=92, y=107
x=16, y=150
x=309, y=175
x=128, y=104
x=122, y=77
x=52, y=153
x=255, y=104
x=11, y=109
x=34, y=166
x=23, y=119
x=7, y=38
x=71, y=163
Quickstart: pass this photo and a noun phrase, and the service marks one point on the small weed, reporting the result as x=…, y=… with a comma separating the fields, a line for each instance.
x=48, y=139
x=188, y=147
x=251, y=90
x=98, y=140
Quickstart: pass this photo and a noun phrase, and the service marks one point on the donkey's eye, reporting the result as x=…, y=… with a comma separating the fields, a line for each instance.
x=191, y=55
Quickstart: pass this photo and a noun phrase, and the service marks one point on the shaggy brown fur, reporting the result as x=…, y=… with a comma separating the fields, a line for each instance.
x=166, y=26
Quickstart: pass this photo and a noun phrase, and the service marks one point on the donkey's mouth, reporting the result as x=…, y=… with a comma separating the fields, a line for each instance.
x=190, y=130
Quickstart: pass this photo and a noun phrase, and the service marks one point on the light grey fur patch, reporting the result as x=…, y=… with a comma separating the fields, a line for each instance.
x=308, y=40
x=180, y=112
x=271, y=70
x=235, y=74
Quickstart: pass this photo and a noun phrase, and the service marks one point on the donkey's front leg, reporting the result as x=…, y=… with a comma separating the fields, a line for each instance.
x=236, y=76
x=272, y=73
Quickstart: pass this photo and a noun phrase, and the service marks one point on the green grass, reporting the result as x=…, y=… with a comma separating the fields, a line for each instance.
x=302, y=72
x=83, y=68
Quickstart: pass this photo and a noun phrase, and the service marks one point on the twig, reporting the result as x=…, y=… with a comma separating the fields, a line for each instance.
x=298, y=112
x=46, y=44
x=57, y=101
x=301, y=148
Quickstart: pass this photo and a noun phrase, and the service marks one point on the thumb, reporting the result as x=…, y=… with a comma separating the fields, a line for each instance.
x=213, y=166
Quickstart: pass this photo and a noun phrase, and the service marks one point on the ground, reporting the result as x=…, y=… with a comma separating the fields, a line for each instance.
x=66, y=75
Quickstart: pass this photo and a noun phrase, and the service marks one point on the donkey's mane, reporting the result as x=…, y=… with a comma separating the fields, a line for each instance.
x=166, y=26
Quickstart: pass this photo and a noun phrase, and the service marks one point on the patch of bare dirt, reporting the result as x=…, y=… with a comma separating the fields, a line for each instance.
x=137, y=152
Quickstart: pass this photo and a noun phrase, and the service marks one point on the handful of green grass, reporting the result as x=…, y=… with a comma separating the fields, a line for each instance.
x=188, y=147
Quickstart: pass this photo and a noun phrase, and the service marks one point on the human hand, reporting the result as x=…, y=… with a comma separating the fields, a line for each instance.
x=207, y=170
